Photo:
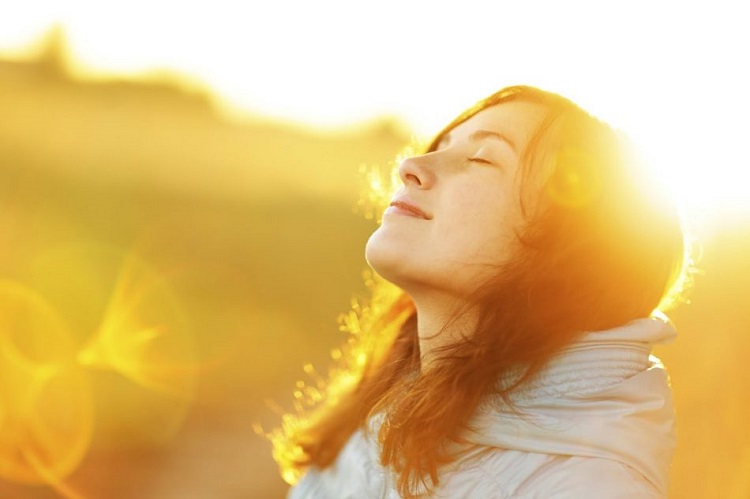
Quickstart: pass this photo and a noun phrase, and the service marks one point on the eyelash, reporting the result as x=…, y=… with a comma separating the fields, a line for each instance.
x=481, y=160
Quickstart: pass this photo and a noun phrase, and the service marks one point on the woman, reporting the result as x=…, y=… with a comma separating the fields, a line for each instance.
x=531, y=255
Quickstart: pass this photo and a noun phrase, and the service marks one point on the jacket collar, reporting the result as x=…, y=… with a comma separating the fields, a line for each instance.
x=604, y=396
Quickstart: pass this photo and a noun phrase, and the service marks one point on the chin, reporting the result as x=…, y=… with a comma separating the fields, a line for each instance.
x=386, y=257
x=376, y=252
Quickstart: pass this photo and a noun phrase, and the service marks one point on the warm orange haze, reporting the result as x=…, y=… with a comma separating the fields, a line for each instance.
x=162, y=270
x=170, y=277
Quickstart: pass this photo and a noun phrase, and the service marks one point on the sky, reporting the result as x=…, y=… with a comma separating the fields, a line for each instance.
x=669, y=73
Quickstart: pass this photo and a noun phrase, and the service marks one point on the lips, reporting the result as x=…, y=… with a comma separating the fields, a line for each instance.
x=407, y=208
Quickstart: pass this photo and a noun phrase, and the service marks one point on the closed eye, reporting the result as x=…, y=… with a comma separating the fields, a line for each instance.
x=481, y=160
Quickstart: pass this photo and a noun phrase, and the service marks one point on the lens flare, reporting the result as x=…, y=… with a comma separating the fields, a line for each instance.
x=576, y=179
x=46, y=409
x=144, y=338
x=134, y=323
x=95, y=352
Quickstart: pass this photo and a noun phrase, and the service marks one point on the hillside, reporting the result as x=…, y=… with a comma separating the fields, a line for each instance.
x=137, y=202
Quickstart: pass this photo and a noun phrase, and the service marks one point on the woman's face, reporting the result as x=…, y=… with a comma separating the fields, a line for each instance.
x=453, y=222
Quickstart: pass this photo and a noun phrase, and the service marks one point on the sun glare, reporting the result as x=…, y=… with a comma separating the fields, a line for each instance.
x=169, y=174
x=306, y=69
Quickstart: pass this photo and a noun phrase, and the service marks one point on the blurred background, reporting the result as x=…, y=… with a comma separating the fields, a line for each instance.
x=181, y=226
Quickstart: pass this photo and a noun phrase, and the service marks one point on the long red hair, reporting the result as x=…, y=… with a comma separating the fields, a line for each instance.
x=601, y=245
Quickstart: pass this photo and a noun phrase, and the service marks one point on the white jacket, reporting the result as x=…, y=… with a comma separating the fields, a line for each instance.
x=597, y=423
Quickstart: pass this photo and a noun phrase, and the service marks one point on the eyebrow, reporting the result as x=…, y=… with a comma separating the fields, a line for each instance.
x=489, y=134
x=481, y=134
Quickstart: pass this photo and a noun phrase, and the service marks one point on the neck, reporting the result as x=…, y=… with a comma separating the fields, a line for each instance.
x=441, y=320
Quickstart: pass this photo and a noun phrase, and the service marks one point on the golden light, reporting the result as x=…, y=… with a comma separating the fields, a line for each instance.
x=221, y=133
x=51, y=395
x=46, y=406
x=144, y=334
x=671, y=77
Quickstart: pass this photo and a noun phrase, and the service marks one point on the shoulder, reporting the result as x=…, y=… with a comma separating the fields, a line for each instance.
x=515, y=474
x=575, y=476
x=355, y=474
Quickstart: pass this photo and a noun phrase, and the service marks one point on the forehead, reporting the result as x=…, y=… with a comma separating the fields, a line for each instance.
x=515, y=120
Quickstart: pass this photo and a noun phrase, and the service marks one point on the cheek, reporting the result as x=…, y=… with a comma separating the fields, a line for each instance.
x=485, y=229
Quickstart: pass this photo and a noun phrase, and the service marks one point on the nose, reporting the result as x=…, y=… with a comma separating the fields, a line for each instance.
x=414, y=171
